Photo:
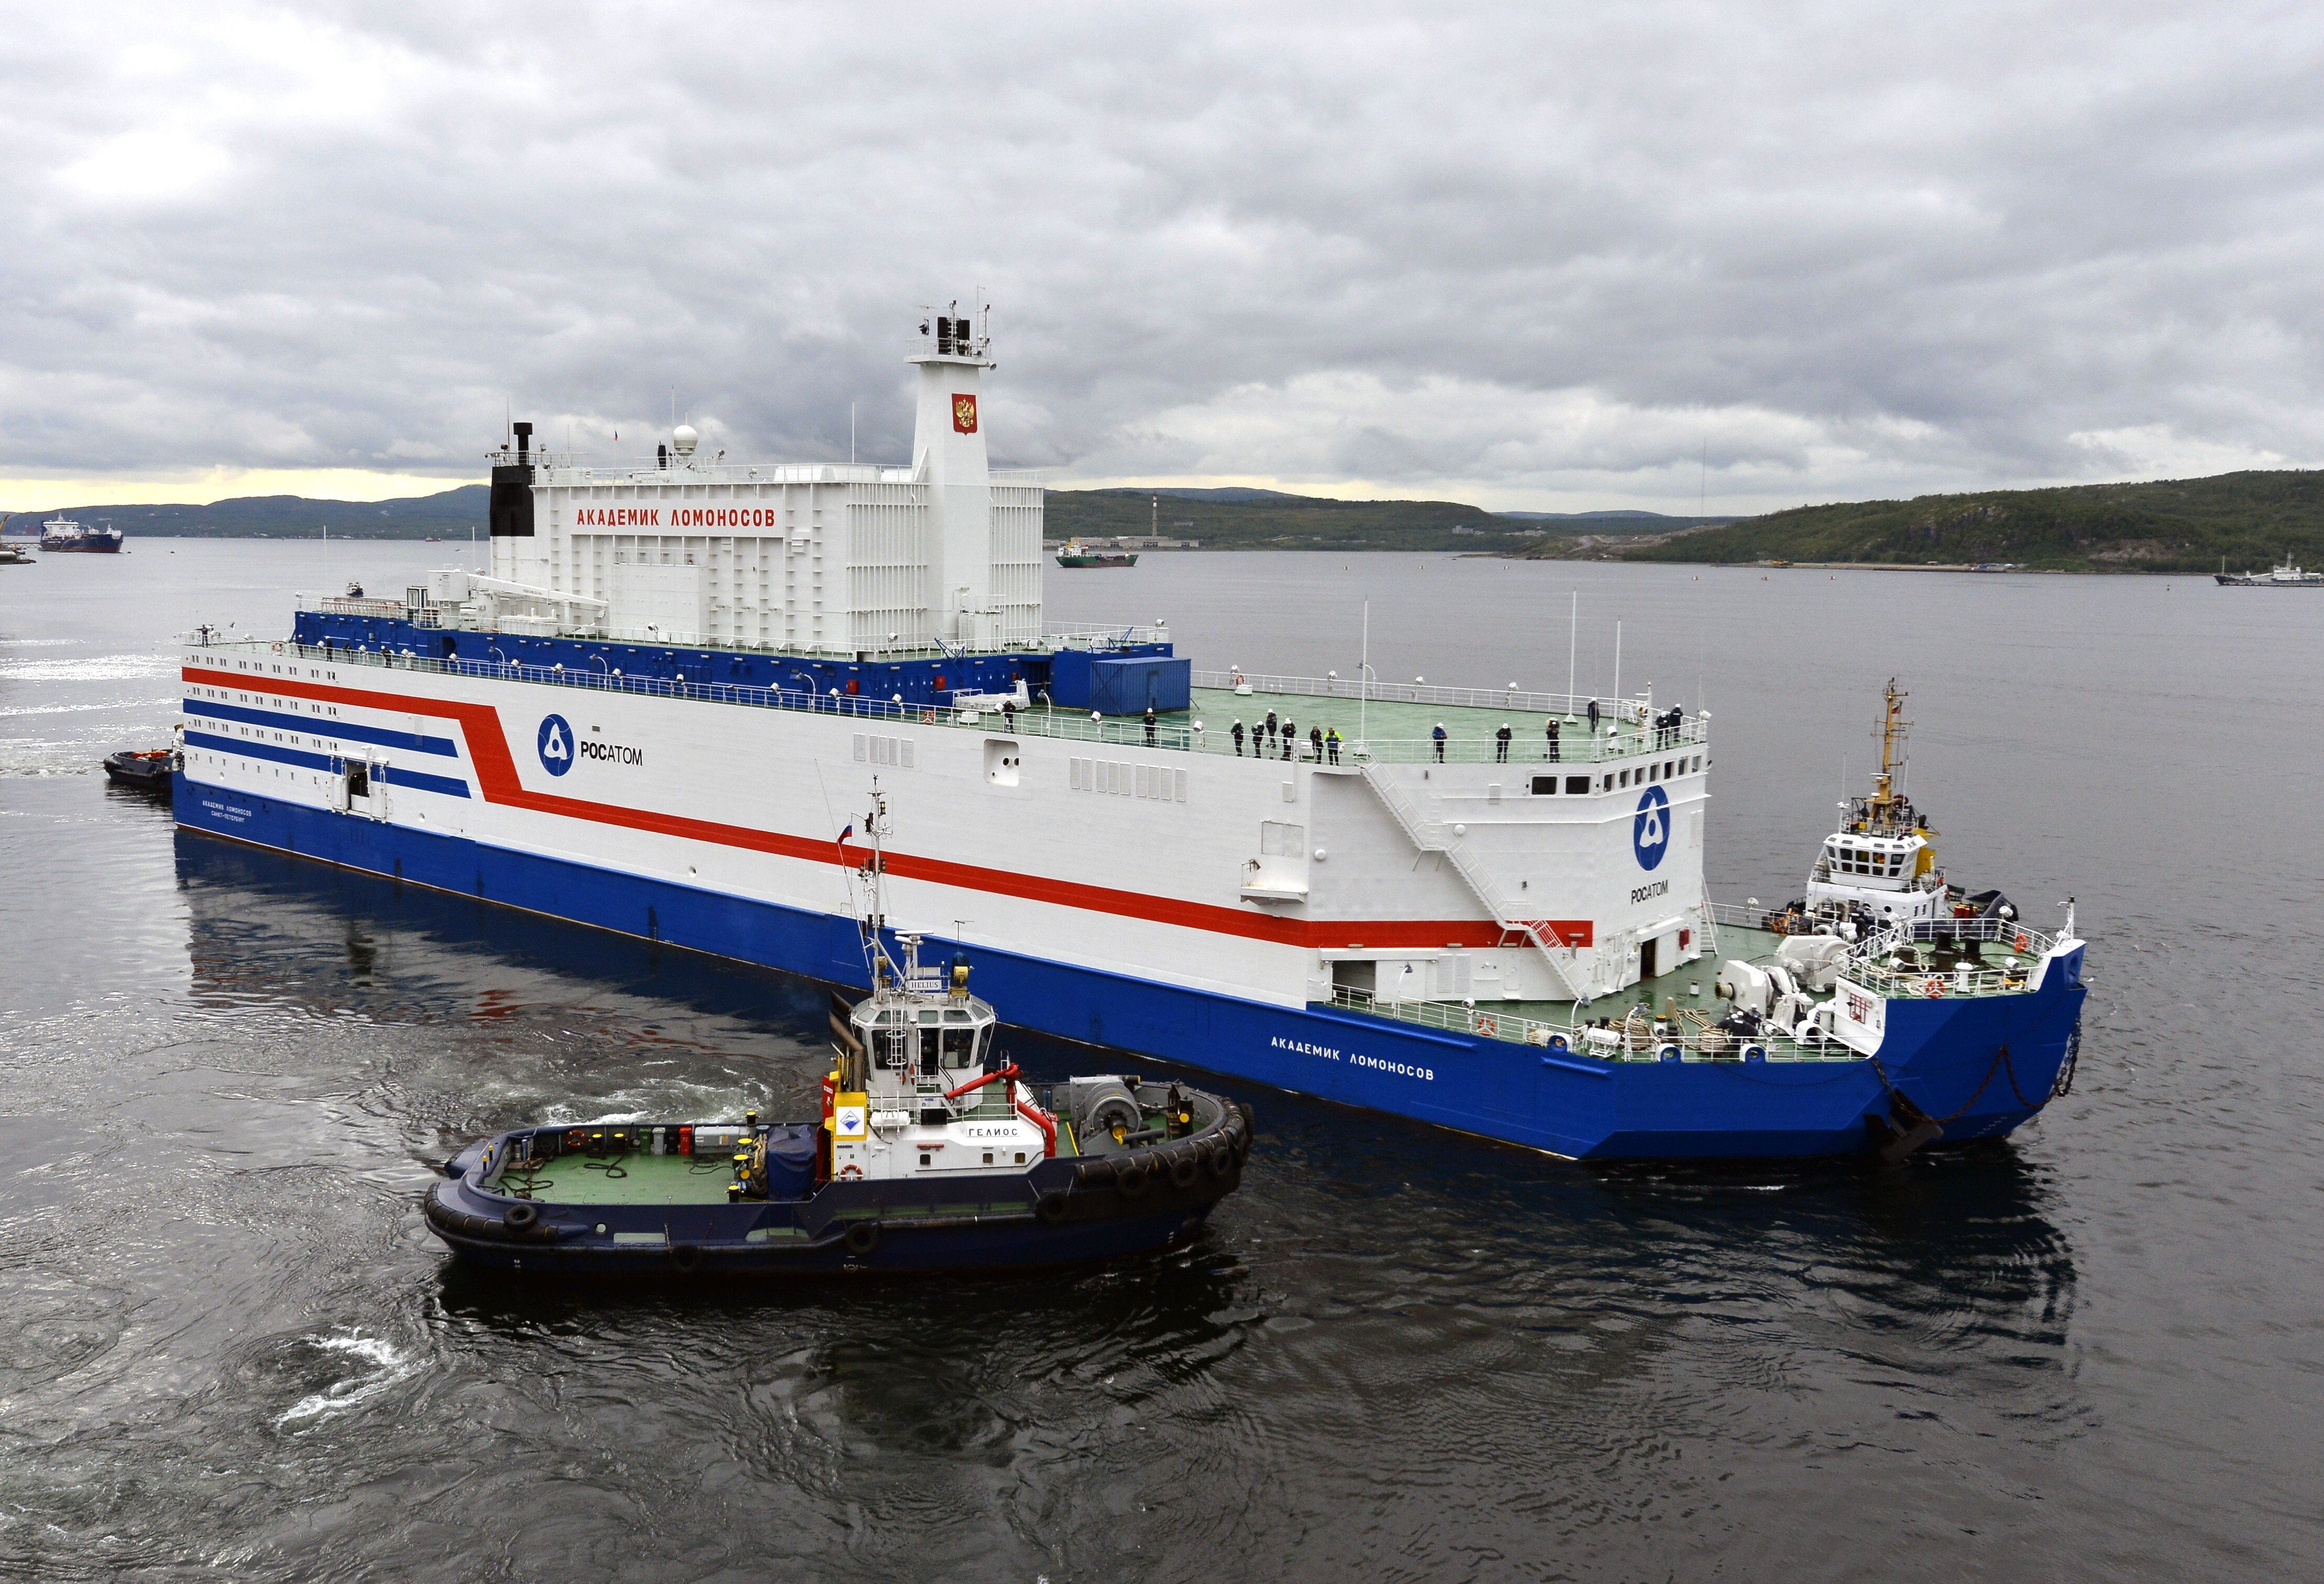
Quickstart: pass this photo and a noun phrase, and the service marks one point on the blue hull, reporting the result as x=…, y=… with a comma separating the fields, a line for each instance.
x=1944, y=1055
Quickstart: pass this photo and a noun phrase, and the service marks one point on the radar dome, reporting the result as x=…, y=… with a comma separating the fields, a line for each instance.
x=682, y=439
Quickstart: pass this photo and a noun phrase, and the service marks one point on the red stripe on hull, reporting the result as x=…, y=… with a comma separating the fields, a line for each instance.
x=496, y=777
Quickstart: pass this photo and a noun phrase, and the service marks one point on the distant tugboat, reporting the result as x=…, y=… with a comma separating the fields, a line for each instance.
x=62, y=535
x=930, y=1155
x=14, y=555
x=1074, y=554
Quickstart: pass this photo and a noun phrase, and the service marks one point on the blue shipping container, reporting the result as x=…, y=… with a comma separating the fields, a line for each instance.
x=1131, y=687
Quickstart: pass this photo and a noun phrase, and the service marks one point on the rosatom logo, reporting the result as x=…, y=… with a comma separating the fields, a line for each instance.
x=963, y=414
x=1650, y=836
x=556, y=745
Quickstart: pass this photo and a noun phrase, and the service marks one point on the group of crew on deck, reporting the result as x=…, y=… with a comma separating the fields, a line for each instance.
x=1271, y=738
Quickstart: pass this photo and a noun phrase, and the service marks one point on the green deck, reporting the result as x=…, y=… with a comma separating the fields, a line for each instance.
x=624, y=1179
x=1389, y=720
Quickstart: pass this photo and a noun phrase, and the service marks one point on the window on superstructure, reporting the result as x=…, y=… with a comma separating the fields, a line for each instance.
x=959, y=1047
x=1576, y=785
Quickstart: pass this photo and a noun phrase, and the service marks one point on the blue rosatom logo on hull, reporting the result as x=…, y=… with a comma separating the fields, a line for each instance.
x=556, y=746
x=1650, y=835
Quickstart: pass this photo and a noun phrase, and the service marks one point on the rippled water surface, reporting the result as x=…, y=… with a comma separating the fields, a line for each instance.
x=228, y=1347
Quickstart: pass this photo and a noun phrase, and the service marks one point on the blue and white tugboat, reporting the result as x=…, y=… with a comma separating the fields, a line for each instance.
x=931, y=1154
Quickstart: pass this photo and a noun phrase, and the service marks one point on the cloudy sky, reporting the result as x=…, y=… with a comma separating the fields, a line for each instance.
x=1537, y=255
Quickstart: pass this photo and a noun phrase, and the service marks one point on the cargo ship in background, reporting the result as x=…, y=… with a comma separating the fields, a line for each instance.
x=1074, y=553
x=62, y=535
x=1482, y=909
x=2285, y=575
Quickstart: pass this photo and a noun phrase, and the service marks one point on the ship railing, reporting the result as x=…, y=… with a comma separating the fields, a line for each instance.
x=1640, y=1039
x=1923, y=959
x=1094, y=635
x=1905, y=960
x=1514, y=699
x=1128, y=732
x=560, y=469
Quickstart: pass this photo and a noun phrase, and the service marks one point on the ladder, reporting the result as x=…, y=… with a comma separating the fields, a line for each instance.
x=1429, y=835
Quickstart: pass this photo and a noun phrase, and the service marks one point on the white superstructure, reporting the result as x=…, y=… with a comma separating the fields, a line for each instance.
x=813, y=558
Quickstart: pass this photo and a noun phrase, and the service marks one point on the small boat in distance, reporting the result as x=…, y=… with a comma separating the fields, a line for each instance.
x=930, y=1155
x=1075, y=554
x=63, y=534
x=2285, y=575
x=12, y=554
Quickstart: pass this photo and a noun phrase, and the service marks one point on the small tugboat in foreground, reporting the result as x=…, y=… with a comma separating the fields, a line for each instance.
x=148, y=769
x=930, y=1155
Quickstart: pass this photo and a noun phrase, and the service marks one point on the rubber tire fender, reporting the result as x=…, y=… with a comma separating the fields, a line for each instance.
x=686, y=1258
x=1220, y=1158
x=1185, y=1171
x=862, y=1238
x=1054, y=1208
x=523, y=1216
x=1130, y=1178
x=1093, y=1174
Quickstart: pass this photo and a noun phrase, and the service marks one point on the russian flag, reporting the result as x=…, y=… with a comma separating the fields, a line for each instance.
x=847, y=833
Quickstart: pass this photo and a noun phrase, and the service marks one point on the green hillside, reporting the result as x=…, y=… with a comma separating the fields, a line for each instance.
x=449, y=514
x=1268, y=522
x=2177, y=525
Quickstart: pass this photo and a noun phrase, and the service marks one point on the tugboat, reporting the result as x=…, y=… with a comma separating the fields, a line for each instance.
x=931, y=1154
x=148, y=769
x=12, y=555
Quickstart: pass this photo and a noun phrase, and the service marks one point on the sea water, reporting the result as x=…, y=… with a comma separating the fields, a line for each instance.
x=228, y=1346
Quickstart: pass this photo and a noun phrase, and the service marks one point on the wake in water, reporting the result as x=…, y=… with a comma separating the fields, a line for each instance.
x=389, y=1368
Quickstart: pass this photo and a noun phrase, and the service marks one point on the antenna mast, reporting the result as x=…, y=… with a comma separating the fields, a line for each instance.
x=1894, y=728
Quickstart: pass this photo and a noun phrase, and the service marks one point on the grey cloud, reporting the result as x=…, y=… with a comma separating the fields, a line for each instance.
x=1514, y=253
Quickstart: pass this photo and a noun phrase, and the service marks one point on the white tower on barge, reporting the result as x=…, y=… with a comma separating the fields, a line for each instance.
x=830, y=558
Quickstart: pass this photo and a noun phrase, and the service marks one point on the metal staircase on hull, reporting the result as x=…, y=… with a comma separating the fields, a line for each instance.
x=1431, y=834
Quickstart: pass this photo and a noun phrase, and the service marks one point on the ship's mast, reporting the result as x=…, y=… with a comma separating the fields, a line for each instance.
x=875, y=948
x=1894, y=728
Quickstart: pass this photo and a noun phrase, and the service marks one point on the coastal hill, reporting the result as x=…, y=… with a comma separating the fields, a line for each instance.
x=1243, y=518
x=1228, y=518
x=449, y=514
x=2252, y=520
